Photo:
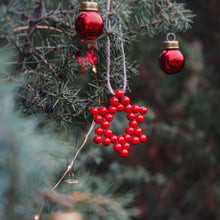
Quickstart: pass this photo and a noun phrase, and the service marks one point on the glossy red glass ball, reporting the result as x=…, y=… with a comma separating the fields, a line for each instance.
x=89, y=25
x=120, y=107
x=103, y=110
x=94, y=110
x=143, y=138
x=140, y=118
x=97, y=139
x=128, y=108
x=125, y=100
x=98, y=118
x=114, y=139
x=119, y=93
x=135, y=140
x=99, y=131
x=106, y=141
x=114, y=101
x=109, y=117
x=124, y=153
x=105, y=124
x=171, y=61
x=126, y=146
x=108, y=133
x=112, y=109
x=117, y=147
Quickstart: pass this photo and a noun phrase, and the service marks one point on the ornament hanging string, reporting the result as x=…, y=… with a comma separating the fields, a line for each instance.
x=108, y=52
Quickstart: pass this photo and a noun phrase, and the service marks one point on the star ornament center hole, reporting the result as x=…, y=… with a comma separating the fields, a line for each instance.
x=103, y=116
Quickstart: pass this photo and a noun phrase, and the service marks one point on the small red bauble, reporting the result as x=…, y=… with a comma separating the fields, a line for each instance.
x=135, y=140
x=98, y=118
x=124, y=153
x=103, y=110
x=94, y=110
x=114, y=101
x=112, y=109
x=104, y=116
x=114, y=139
x=120, y=107
x=131, y=116
x=108, y=133
x=89, y=23
x=117, y=147
x=128, y=108
x=171, y=60
x=106, y=141
x=140, y=118
x=118, y=93
x=97, y=139
x=105, y=124
x=143, y=138
x=99, y=131
x=82, y=71
x=109, y=117
x=125, y=100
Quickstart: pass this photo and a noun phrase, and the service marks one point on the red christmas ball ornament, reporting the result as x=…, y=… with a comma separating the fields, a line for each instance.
x=98, y=118
x=126, y=146
x=128, y=108
x=99, y=131
x=114, y=139
x=114, y=101
x=135, y=140
x=108, y=133
x=125, y=100
x=120, y=107
x=94, y=110
x=103, y=110
x=140, y=118
x=118, y=93
x=143, y=138
x=89, y=23
x=109, y=117
x=112, y=109
x=97, y=139
x=124, y=153
x=171, y=60
x=117, y=147
x=105, y=124
x=106, y=141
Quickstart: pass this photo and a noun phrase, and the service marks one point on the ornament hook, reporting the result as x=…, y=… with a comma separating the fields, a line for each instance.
x=173, y=36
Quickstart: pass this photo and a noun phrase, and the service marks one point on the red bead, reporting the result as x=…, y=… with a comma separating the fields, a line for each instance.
x=114, y=139
x=108, y=133
x=112, y=109
x=117, y=147
x=94, y=110
x=143, y=138
x=105, y=124
x=128, y=108
x=118, y=93
x=120, y=107
x=114, y=101
x=136, y=108
x=131, y=116
x=130, y=130
x=106, y=141
x=126, y=146
x=140, y=118
x=121, y=139
x=99, y=131
x=103, y=110
x=124, y=153
x=133, y=124
x=109, y=117
x=127, y=137
x=135, y=140
x=97, y=139
x=125, y=100
x=82, y=71
x=171, y=61
x=137, y=131
x=143, y=110
x=89, y=25
x=98, y=118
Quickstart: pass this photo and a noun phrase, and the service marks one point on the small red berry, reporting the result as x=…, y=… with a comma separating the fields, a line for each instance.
x=98, y=118
x=133, y=124
x=109, y=117
x=138, y=131
x=82, y=71
x=114, y=101
x=140, y=118
x=99, y=131
x=120, y=107
x=128, y=108
x=143, y=138
x=106, y=141
x=143, y=110
x=127, y=137
x=97, y=139
x=135, y=140
x=114, y=139
x=130, y=130
x=117, y=147
x=105, y=124
x=136, y=108
x=124, y=153
x=121, y=139
x=108, y=133
x=126, y=146
x=118, y=93
x=131, y=116
x=94, y=110
x=112, y=109
x=125, y=100
x=103, y=110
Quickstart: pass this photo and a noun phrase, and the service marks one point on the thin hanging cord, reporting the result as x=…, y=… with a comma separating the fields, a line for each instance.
x=108, y=52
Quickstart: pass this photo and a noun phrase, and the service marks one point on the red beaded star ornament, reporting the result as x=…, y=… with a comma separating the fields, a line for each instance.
x=104, y=116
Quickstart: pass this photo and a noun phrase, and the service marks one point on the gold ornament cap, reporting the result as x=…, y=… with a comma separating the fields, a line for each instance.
x=171, y=44
x=89, y=6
